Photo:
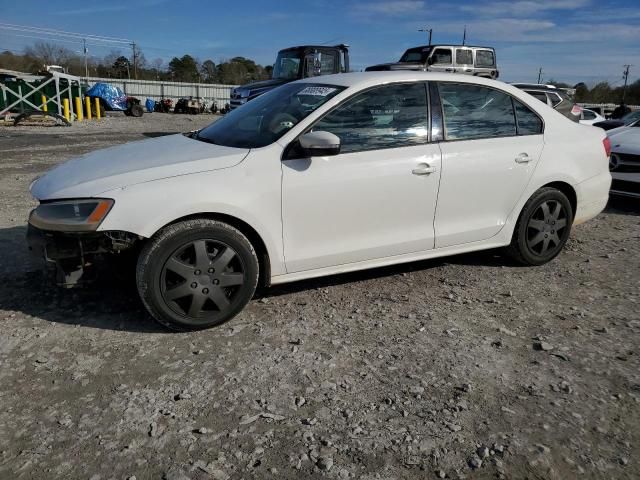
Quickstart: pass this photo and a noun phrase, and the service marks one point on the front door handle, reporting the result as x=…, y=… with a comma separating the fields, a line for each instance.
x=423, y=169
x=523, y=158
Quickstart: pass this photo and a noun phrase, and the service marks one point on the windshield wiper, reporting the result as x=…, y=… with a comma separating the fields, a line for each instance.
x=196, y=136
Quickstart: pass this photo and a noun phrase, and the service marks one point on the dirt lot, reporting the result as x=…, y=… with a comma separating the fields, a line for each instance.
x=466, y=367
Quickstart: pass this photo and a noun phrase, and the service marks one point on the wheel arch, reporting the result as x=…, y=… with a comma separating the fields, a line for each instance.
x=264, y=279
x=568, y=190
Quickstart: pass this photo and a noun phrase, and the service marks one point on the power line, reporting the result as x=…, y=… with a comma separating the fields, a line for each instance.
x=62, y=33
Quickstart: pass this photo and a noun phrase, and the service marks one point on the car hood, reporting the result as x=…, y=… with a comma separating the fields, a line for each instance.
x=625, y=140
x=132, y=163
x=262, y=85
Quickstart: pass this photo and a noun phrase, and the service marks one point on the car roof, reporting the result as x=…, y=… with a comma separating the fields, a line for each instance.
x=454, y=45
x=368, y=79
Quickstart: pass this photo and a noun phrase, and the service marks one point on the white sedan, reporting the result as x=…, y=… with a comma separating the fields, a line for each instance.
x=323, y=176
x=589, y=117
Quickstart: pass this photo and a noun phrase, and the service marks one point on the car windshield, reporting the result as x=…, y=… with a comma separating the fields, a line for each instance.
x=287, y=66
x=418, y=54
x=631, y=117
x=264, y=120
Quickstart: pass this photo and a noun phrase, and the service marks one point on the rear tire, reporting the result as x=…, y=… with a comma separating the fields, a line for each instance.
x=543, y=227
x=197, y=274
x=136, y=110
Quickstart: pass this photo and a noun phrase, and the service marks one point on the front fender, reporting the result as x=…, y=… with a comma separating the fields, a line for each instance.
x=145, y=208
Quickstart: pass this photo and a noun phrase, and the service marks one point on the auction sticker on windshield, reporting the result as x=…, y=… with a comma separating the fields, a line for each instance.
x=319, y=91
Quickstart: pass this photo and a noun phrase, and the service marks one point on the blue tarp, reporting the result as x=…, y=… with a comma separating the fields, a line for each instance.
x=150, y=104
x=113, y=96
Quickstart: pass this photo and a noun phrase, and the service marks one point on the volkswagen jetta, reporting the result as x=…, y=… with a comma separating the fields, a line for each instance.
x=322, y=176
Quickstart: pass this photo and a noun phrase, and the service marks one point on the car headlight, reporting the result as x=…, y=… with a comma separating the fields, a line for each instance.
x=71, y=215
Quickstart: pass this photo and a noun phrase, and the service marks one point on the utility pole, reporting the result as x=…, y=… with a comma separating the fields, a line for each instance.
x=135, y=60
x=427, y=30
x=626, y=77
x=540, y=76
x=464, y=36
x=84, y=49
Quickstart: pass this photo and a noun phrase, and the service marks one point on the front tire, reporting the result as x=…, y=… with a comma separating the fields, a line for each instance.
x=543, y=227
x=197, y=274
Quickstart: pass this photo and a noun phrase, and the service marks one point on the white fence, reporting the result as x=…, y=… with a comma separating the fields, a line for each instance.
x=174, y=90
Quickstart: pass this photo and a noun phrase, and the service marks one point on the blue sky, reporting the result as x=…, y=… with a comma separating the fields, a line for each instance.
x=572, y=40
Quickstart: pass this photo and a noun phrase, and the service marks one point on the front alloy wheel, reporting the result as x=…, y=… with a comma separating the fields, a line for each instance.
x=197, y=274
x=201, y=279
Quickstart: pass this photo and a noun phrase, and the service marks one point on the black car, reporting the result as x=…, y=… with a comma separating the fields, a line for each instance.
x=628, y=119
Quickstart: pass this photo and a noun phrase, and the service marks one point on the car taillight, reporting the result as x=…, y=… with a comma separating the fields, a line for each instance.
x=607, y=146
x=576, y=110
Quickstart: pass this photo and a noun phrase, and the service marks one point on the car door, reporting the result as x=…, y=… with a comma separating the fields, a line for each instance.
x=464, y=61
x=377, y=197
x=492, y=144
x=441, y=60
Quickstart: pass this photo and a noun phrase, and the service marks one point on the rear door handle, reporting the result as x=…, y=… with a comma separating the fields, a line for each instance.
x=423, y=169
x=523, y=158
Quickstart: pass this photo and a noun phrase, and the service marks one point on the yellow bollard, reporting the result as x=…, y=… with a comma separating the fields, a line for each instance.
x=65, y=109
x=87, y=103
x=44, y=103
x=79, y=109
x=97, y=108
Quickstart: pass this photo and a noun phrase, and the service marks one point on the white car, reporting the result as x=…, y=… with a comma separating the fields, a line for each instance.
x=589, y=117
x=323, y=176
x=624, y=161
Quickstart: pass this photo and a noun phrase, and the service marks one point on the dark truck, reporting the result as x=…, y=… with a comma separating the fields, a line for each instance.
x=465, y=59
x=295, y=63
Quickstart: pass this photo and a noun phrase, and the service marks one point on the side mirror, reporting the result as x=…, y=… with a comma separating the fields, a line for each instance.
x=430, y=60
x=320, y=144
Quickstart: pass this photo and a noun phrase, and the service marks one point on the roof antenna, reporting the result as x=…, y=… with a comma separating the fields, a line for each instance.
x=464, y=36
x=427, y=30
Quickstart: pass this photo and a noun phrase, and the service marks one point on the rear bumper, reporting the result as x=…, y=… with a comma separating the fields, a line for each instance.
x=593, y=195
x=626, y=184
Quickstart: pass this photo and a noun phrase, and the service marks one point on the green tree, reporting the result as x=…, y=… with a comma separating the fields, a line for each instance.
x=121, y=67
x=184, y=69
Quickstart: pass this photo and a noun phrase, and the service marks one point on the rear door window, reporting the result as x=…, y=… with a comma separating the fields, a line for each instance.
x=474, y=111
x=442, y=56
x=485, y=59
x=464, y=56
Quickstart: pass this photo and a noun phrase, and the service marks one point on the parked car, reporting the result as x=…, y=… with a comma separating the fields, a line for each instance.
x=111, y=98
x=556, y=98
x=624, y=161
x=628, y=119
x=294, y=63
x=319, y=177
x=589, y=117
x=464, y=59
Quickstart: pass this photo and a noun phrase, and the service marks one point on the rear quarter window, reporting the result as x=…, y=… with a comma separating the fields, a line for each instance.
x=485, y=59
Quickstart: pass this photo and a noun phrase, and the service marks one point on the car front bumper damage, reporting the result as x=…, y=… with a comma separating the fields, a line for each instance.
x=72, y=257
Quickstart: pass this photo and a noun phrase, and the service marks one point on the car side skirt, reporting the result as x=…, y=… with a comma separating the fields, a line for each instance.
x=495, y=242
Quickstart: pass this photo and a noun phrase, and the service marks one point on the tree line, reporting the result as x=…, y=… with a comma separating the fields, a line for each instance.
x=234, y=71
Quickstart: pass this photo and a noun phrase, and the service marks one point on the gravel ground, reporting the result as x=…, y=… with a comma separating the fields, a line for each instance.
x=464, y=367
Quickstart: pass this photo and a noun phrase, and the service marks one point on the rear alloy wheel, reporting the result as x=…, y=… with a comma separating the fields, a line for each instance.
x=197, y=274
x=543, y=227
